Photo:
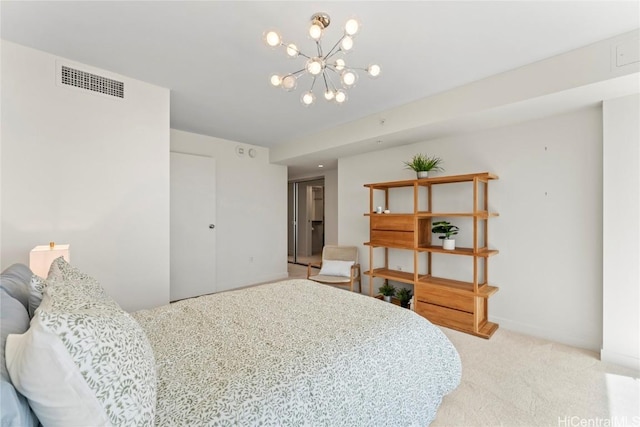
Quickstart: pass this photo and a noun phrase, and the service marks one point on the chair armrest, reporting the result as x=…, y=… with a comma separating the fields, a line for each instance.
x=309, y=268
x=355, y=267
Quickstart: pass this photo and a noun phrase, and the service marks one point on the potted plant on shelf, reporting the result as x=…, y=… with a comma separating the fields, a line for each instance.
x=448, y=230
x=387, y=291
x=404, y=295
x=422, y=164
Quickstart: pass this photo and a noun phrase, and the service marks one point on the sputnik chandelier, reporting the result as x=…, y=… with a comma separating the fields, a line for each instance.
x=323, y=66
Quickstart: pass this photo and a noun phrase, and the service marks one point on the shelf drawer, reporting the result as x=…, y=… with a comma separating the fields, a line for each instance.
x=395, y=223
x=398, y=239
x=444, y=297
x=445, y=316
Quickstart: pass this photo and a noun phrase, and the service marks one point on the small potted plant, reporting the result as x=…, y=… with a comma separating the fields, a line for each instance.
x=387, y=291
x=404, y=295
x=422, y=164
x=447, y=230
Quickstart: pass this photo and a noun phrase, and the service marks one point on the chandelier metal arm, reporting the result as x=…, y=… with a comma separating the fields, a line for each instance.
x=299, y=71
x=328, y=76
x=331, y=52
x=326, y=86
x=302, y=54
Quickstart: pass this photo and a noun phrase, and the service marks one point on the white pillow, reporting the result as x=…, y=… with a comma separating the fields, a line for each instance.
x=60, y=270
x=336, y=268
x=84, y=361
x=41, y=369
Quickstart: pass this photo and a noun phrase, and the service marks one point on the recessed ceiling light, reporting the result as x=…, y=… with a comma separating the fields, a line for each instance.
x=320, y=166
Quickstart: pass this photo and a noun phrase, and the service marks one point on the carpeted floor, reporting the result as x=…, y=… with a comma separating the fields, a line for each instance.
x=518, y=380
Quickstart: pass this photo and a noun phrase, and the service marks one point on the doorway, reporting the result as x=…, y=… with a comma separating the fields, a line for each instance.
x=305, y=221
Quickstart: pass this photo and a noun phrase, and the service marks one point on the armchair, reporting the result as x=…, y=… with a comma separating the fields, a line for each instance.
x=339, y=267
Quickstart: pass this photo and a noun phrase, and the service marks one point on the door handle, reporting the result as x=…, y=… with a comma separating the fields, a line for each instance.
x=212, y=226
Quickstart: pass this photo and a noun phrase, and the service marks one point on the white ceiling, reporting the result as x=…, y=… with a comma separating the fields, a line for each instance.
x=210, y=53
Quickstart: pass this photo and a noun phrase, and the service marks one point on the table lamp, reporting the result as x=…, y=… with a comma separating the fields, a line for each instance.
x=41, y=257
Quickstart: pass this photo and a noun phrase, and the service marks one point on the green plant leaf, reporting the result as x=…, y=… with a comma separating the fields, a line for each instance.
x=422, y=162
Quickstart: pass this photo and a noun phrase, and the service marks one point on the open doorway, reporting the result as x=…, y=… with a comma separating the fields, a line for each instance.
x=306, y=200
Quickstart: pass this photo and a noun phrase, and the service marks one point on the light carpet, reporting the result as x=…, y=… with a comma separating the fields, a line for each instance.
x=518, y=380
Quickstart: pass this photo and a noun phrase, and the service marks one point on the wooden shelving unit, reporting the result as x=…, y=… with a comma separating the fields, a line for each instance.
x=455, y=304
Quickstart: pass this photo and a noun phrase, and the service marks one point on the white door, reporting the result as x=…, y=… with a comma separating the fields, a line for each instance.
x=193, y=234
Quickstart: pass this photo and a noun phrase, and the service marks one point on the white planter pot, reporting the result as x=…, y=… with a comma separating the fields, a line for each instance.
x=387, y=298
x=448, y=244
x=423, y=174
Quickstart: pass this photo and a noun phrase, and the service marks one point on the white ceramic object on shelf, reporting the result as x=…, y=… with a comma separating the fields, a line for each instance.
x=448, y=244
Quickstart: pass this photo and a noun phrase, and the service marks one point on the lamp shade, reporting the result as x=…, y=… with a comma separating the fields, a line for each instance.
x=41, y=257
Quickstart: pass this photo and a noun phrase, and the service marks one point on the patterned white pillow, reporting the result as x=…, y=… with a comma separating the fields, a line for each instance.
x=84, y=361
x=61, y=270
x=36, y=289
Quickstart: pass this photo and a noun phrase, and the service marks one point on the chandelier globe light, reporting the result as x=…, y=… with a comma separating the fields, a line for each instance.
x=328, y=67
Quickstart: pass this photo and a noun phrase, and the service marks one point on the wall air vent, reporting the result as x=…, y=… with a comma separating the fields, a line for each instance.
x=93, y=82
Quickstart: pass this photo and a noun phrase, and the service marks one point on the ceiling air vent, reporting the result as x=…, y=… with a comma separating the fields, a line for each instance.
x=95, y=83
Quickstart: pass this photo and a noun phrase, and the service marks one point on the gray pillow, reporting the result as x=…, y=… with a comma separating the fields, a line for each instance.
x=15, y=281
x=14, y=408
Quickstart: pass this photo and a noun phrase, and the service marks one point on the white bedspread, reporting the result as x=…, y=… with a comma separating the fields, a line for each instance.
x=297, y=353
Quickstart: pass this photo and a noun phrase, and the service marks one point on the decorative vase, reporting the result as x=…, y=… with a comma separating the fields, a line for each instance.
x=387, y=298
x=448, y=244
x=423, y=174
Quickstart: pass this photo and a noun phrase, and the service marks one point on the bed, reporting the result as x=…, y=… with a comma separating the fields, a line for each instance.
x=288, y=353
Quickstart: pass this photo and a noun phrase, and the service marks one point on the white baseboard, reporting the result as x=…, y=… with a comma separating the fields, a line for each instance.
x=257, y=281
x=551, y=335
x=625, y=360
x=270, y=278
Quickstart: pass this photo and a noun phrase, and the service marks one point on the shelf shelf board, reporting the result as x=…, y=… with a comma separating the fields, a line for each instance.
x=484, y=177
x=386, y=273
x=424, y=214
x=486, y=330
x=388, y=245
x=459, y=251
x=484, y=290
x=389, y=214
x=478, y=214
x=483, y=253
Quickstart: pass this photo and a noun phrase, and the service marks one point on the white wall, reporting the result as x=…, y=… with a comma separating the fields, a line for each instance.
x=251, y=207
x=549, y=232
x=621, y=237
x=331, y=207
x=89, y=170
